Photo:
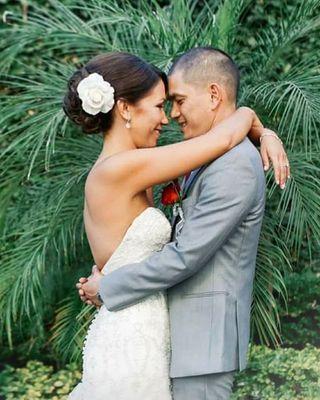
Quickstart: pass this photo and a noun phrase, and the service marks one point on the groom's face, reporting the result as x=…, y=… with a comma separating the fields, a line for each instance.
x=191, y=106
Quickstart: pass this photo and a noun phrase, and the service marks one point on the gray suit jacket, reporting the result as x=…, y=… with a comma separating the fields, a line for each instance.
x=208, y=267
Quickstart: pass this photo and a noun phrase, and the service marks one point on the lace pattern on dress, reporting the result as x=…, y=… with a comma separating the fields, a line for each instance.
x=127, y=353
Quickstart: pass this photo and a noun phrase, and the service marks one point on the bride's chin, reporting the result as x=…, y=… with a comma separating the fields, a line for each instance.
x=154, y=141
x=150, y=145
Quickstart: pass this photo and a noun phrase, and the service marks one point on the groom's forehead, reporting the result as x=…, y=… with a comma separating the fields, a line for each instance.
x=176, y=82
x=177, y=88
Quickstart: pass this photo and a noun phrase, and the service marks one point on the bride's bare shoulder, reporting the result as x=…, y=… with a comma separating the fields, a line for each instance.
x=114, y=168
x=112, y=173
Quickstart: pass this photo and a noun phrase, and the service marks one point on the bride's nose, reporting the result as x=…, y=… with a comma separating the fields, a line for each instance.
x=164, y=120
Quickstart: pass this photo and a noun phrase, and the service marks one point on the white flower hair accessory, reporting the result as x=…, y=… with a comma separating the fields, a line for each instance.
x=96, y=94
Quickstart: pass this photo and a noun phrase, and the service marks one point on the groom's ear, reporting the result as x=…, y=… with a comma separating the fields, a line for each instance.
x=216, y=95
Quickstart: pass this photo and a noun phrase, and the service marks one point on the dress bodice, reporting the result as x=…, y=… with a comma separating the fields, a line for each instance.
x=148, y=233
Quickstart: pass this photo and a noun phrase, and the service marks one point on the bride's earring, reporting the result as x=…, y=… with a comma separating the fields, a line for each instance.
x=128, y=123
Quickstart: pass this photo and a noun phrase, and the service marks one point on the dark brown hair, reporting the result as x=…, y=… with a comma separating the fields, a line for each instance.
x=131, y=77
x=219, y=63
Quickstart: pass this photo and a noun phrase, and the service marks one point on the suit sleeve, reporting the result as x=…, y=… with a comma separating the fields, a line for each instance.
x=225, y=199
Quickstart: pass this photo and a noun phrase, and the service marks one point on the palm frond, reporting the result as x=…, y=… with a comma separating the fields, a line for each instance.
x=293, y=103
x=299, y=206
x=70, y=327
x=45, y=160
x=46, y=235
x=226, y=22
x=269, y=287
x=273, y=42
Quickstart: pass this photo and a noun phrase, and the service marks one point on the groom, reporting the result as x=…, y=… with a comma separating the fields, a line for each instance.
x=209, y=266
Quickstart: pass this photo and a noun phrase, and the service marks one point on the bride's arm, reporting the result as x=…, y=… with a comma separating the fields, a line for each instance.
x=142, y=168
x=256, y=130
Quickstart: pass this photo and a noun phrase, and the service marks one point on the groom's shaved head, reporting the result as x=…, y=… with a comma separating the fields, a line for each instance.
x=205, y=65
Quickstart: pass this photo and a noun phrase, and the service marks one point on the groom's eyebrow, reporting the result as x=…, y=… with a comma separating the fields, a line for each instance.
x=172, y=96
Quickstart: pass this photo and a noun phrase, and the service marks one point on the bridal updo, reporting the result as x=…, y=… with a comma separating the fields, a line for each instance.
x=130, y=76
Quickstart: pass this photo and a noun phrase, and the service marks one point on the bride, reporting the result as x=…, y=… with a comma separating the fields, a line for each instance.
x=126, y=353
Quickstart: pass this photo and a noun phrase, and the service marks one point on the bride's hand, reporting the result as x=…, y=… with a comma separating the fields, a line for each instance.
x=88, y=287
x=272, y=150
x=81, y=293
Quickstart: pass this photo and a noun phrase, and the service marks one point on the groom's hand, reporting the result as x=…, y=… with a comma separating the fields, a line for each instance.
x=88, y=287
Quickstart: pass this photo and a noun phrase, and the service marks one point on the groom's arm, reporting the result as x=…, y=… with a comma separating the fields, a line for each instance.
x=227, y=194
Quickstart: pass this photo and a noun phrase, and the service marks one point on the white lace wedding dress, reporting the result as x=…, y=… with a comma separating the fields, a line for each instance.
x=126, y=352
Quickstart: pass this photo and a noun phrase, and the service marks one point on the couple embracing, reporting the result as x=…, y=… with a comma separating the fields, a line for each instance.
x=173, y=299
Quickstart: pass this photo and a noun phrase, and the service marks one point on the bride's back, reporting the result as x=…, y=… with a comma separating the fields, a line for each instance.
x=121, y=96
x=109, y=210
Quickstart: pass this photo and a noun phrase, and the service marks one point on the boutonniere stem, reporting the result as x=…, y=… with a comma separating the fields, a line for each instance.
x=172, y=196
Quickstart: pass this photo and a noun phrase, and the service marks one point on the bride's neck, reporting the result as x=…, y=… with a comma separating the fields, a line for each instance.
x=116, y=140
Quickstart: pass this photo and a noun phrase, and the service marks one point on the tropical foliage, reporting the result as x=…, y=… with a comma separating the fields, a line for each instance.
x=38, y=381
x=282, y=374
x=45, y=160
x=300, y=323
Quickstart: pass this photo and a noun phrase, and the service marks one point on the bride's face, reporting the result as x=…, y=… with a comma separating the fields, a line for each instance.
x=148, y=117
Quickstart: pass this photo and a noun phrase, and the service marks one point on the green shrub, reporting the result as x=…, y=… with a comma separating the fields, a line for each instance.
x=38, y=381
x=301, y=322
x=282, y=374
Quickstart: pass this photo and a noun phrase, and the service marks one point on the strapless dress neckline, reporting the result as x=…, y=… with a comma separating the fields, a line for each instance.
x=145, y=214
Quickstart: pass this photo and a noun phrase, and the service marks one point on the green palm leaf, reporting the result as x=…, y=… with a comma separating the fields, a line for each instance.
x=68, y=339
x=293, y=103
x=45, y=160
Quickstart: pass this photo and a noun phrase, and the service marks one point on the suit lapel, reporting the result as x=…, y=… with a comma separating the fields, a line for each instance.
x=186, y=186
x=192, y=179
x=183, y=184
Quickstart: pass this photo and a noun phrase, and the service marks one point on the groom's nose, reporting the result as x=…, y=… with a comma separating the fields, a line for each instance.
x=175, y=112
